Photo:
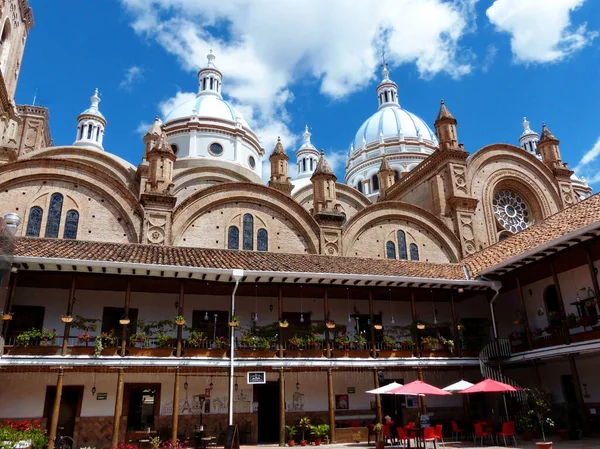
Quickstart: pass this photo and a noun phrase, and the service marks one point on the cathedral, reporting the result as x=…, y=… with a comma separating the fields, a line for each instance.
x=420, y=226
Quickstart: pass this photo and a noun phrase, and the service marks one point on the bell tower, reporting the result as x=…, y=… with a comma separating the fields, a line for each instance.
x=279, y=169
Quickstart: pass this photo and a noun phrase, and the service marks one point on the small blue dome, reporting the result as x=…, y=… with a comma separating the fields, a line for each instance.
x=392, y=121
x=208, y=106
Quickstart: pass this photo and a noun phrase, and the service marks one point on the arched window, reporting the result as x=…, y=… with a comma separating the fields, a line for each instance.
x=233, y=238
x=552, y=303
x=375, y=181
x=211, y=84
x=81, y=132
x=34, y=224
x=414, y=251
x=311, y=164
x=248, y=243
x=396, y=176
x=97, y=134
x=402, y=245
x=71, y=223
x=90, y=129
x=53, y=223
x=390, y=248
x=203, y=83
x=359, y=186
x=303, y=164
x=262, y=240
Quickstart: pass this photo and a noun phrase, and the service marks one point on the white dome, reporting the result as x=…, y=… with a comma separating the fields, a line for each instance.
x=207, y=106
x=393, y=121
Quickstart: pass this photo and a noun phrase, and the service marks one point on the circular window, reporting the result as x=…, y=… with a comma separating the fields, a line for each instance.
x=252, y=161
x=174, y=148
x=511, y=211
x=216, y=149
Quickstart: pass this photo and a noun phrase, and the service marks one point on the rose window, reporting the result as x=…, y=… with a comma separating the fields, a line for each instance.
x=511, y=211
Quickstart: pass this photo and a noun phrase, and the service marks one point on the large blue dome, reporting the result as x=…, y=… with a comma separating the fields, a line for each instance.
x=393, y=121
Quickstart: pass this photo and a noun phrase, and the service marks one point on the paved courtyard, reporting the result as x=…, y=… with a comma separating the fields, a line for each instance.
x=589, y=443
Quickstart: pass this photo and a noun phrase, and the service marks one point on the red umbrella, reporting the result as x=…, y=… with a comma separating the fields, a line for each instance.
x=489, y=386
x=419, y=387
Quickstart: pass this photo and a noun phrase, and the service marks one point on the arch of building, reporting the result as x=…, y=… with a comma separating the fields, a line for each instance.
x=502, y=166
x=351, y=200
x=202, y=219
x=366, y=233
x=109, y=164
x=109, y=211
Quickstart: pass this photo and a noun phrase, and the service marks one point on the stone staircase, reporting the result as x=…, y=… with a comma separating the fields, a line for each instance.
x=490, y=357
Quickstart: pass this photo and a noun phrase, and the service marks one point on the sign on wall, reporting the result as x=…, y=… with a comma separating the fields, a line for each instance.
x=101, y=396
x=351, y=390
x=257, y=377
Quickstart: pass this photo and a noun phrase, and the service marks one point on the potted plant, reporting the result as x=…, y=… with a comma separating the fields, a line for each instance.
x=84, y=337
x=342, y=341
x=179, y=320
x=540, y=403
x=388, y=342
x=321, y=431
x=296, y=342
x=48, y=337
x=164, y=340
x=360, y=341
x=235, y=321
x=283, y=323
x=28, y=337
x=324, y=431
x=292, y=431
x=379, y=441
x=196, y=339
x=330, y=324
x=525, y=424
x=304, y=425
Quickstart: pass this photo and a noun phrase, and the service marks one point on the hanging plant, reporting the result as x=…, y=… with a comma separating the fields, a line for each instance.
x=179, y=320
x=330, y=324
x=235, y=321
x=283, y=323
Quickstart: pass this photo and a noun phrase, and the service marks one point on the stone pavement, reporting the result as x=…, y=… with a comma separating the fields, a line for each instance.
x=589, y=443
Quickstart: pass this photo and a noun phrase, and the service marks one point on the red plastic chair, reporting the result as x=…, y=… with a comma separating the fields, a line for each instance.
x=387, y=434
x=410, y=425
x=479, y=433
x=438, y=433
x=456, y=432
x=429, y=436
x=402, y=437
x=508, y=430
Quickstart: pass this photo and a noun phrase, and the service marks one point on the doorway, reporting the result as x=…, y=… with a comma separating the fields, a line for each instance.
x=142, y=405
x=392, y=405
x=267, y=396
x=69, y=411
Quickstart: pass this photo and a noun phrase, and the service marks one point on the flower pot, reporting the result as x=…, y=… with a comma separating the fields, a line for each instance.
x=34, y=350
x=6, y=316
x=110, y=351
x=544, y=445
x=303, y=443
x=291, y=443
x=379, y=444
x=180, y=322
x=330, y=324
x=284, y=324
x=234, y=323
x=317, y=442
x=81, y=350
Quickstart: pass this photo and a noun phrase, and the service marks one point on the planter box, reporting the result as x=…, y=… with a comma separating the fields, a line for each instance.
x=394, y=353
x=352, y=353
x=585, y=336
x=33, y=350
x=204, y=352
x=256, y=353
x=306, y=353
x=110, y=351
x=149, y=352
x=429, y=353
x=81, y=350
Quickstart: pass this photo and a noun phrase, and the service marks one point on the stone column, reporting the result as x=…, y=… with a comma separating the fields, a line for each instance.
x=9, y=303
x=118, y=408
x=56, y=409
x=377, y=397
x=524, y=312
x=69, y=313
x=560, y=303
x=331, y=405
x=281, y=409
x=126, y=315
x=579, y=394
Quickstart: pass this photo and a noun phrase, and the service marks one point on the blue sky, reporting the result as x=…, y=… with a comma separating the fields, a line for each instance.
x=287, y=64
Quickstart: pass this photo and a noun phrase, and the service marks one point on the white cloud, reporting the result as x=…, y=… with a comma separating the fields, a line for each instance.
x=490, y=56
x=583, y=166
x=169, y=104
x=132, y=75
x=541, y=31
x=143, y=128
x=263, y=47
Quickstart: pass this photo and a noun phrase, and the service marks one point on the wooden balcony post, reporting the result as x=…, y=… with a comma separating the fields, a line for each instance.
x=56, y=409
x=593, y=274
x=524, y=312
x=69, y=313
x=180, y=312
x=372, y=321
x=326, y=314
x=579, y=395
x=118, y=408
x=126, y=314
x=561, y=304
x=175, y=417
x=280, y=314
x=9, y=302
x=377, y=397
x=331, y=405
x=455, y=331
x=413, y=311
x=281, y=409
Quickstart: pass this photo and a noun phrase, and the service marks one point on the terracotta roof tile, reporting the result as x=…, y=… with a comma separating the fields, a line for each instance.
x=578, y=216
x=323, y=167
x=229, y=259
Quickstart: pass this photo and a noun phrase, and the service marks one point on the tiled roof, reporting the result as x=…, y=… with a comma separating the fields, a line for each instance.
x=444, y=113
x=323, y=167
x=578, y=216
x=230, y=259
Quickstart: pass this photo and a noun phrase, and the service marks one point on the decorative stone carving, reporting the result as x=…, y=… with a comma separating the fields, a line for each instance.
x=156, y=228
x=459, y=180
x=467, y=235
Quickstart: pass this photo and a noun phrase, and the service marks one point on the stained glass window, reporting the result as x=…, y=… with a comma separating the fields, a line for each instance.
x=233, y=238
x=248, y=243
x=56, y=202
x=262, y=240
x=402, y=245
x=71, y=223
x=414, y=252
x=35, y=222
x=511, y=211
x=390, y=248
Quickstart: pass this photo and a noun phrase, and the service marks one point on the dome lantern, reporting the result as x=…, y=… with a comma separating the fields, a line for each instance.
x=387, y=90
x=307, y=156
x=210, y=78
x=529, y=139
x=90, y=126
